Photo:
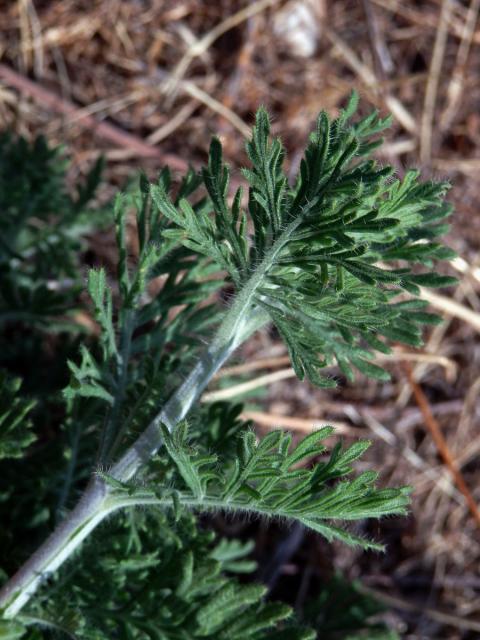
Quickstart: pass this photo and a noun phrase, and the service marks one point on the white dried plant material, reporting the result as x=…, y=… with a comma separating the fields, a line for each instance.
x=298, y=25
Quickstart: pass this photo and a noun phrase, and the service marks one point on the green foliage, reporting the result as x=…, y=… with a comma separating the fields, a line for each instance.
x=146, y=579
x=334, y=260
x=41, y=230
x=43, y=225
x=269, y=478
x=15, y=425
x=40, y=219
x=11, y=630
x=130, y=373
x=342, y=611
x=314, y=245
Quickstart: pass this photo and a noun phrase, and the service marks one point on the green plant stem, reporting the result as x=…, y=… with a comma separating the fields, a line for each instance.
x=205, y=503
x=241, y=321
x=93, y=506
x=233, y=331
x=111, y=433
x=89, y=512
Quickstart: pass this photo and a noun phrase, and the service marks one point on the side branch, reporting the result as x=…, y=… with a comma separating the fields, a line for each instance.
x=94, y=506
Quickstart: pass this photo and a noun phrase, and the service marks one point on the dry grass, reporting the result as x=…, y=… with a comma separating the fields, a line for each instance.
x=152, y=81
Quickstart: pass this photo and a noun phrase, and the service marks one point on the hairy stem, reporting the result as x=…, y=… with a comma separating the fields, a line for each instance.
x=243, y=319
x=89, y=512
x=93, y=506
x=235, y=330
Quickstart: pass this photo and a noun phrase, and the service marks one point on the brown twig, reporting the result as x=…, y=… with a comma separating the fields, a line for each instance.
x=303, y=425
x=253, y=365
x=407, y=605
x=423, y=19
x=381, y=54
x=398, y=354
x=369, y=79
x=195, y=92
x=251, y=385
x=173, y=123
x=103, y=129
x=455, y=88
x=206, y=41
x=452, y=308
x=432, y=83
x=441, y=443
x=31, y=38
x=467, y=166
x=433, y=474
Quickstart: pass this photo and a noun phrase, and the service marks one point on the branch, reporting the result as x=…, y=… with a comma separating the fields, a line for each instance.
x=93, y=506
x=105, y=130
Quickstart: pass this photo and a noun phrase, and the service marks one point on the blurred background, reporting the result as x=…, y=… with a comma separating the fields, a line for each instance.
x=147, y=83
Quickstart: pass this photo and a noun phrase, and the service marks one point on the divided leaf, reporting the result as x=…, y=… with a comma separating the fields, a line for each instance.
x=271, y=478
x=317, y=256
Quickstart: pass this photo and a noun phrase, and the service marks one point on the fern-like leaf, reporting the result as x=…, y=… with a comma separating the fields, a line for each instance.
x=269, y=478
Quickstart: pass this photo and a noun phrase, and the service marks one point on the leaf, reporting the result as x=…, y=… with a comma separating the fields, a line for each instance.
x=87, y=380
x=432, y=280
x=101, y=296
x=15, y=424
x=11, y=630
x=189, y=468
x=228, y=602
x=313, y=259
x=265, y=479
